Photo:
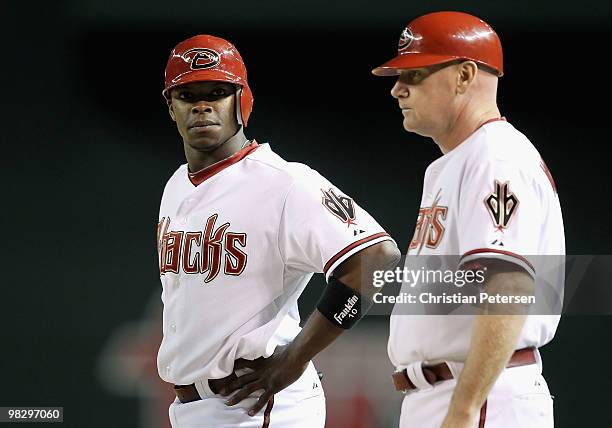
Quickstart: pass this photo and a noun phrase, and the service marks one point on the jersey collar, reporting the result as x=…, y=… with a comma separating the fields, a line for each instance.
x=495, y=119
x=464, y=144
x=202, y=175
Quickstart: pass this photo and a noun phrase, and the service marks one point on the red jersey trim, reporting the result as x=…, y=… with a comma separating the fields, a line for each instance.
x=266, y=422
x=494, y=250
x=483, y=415
x=199, y=177
x=350, y=247
x=549, y=175
x=495, y=119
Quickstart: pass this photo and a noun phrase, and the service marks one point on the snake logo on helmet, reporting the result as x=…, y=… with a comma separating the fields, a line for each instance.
x=405, y=39
x=209, y=58
x=441, y=37
x=203, y=58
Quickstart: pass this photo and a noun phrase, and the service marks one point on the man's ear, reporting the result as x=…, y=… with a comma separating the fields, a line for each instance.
x=466, y=72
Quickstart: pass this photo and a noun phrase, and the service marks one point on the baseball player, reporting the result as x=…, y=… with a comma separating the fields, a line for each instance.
x=240, y=233
x=489, y=199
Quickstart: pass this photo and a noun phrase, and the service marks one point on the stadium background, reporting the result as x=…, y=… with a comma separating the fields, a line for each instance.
x=88, y=146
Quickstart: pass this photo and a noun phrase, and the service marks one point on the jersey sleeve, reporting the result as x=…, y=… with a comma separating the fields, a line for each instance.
x=500, y=216
x=321, y=226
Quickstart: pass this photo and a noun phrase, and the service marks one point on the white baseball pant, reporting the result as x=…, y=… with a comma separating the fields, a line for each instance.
x=519, y=399
x=300, y=405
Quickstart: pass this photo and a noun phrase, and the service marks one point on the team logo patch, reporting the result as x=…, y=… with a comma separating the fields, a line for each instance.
x=202, y=58
x=339, y=205
x=406, y=39
x=501, y=204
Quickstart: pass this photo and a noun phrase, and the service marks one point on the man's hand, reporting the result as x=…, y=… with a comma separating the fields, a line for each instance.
x=271, y=375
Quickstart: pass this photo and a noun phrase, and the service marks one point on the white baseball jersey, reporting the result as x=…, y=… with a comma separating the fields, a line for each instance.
x=490, y=197
x=238, y=242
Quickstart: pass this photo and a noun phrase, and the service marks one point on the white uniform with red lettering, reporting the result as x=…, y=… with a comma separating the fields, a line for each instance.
x=490, y=197
x=238, y=242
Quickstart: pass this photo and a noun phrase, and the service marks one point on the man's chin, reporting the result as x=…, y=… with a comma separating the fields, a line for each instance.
x=204, y=144
x=410, y=127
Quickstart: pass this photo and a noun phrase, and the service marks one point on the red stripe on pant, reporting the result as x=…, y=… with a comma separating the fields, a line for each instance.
x=483, y=415
x=267, y=412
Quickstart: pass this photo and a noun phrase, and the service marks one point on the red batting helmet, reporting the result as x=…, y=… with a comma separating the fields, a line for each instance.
x=209, y=58
x=440, y=37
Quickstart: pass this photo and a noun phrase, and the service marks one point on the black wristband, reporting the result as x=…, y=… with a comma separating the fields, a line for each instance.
x=340, y=304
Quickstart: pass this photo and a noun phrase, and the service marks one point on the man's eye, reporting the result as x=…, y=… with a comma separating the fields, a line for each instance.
x=218, y=92
x=184, y=95
x=415, y=74
x=412, y=77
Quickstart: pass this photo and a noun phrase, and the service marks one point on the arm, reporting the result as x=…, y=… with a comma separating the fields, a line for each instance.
x=288, y=363
x=319, y=332
x=494, y=339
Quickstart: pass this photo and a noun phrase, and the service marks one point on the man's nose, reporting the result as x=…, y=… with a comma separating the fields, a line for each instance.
x=399, y=90
x=201, y=107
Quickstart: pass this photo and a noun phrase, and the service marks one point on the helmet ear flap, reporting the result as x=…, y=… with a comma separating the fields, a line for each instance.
x=238, y=103
x=244, y=104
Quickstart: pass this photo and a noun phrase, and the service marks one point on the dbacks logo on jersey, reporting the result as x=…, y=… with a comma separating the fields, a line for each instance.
x=429, y=227
x=339, y=205
x=201, y=252
x=501, y=204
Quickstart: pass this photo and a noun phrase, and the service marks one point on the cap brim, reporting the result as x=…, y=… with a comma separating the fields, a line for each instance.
x=409, y=60
x=204, y=75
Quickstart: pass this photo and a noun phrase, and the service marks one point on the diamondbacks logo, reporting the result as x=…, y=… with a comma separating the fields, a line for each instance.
x=406, y=39
x=429, y=227
x=339, y=205
x=501, y=204
x=201, y=252
x=202, y=58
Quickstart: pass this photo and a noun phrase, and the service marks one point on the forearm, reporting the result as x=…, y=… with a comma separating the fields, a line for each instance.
x=494, y=339
x=355, y=273
x=317, y=334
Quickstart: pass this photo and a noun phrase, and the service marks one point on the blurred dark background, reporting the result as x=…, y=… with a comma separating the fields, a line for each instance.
x=88, y=146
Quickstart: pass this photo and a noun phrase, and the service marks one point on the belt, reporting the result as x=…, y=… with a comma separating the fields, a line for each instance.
x=189, y=393
x=441, y=372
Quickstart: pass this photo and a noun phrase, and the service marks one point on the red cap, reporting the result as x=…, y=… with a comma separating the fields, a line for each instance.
x=209, y=58
x=440, y=37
